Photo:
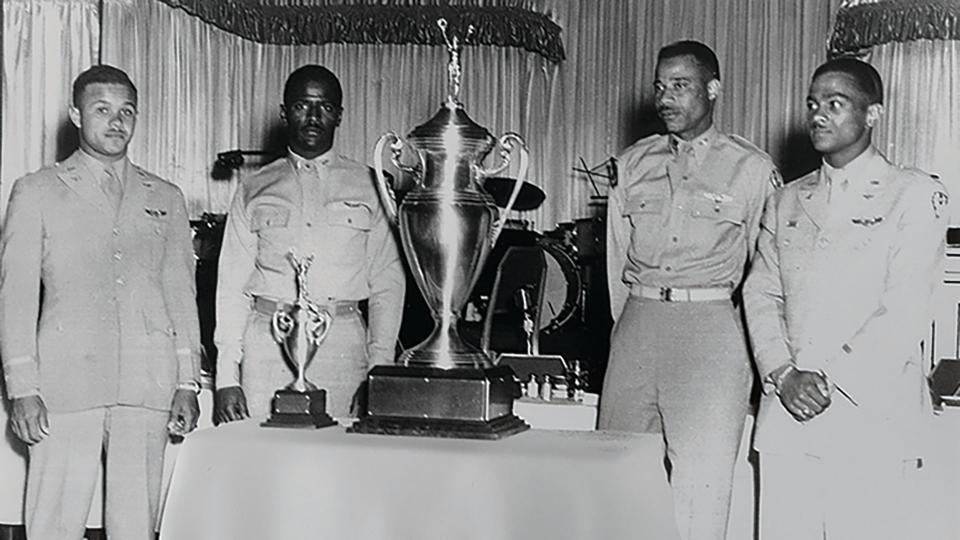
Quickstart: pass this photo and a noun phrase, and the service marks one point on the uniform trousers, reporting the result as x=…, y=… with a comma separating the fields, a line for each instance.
x=63, y=470
x=804, y=497
x=682, y=369
x=339, y=367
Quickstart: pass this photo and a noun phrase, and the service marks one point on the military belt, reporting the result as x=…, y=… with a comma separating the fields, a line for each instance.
x=337, y=308
x=673, y=294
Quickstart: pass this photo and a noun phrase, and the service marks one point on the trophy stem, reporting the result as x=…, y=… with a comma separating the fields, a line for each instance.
x=445, y=349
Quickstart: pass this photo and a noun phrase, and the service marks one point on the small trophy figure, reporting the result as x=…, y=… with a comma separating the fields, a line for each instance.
x=298, y=329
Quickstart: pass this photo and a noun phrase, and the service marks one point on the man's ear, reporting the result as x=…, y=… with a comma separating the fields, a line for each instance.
x=713, y=89
x=283, y=112
x=74, y=114
x=874, y=112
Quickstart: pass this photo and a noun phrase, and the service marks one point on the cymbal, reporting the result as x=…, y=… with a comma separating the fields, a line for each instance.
x=529, y=198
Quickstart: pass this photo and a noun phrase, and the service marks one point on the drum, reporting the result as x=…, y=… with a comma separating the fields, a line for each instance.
x=563, y=290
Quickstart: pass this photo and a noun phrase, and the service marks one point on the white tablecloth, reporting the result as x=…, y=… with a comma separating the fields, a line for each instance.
x=242, y=481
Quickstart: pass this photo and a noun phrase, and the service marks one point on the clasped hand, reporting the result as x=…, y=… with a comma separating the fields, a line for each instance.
x=805, y=394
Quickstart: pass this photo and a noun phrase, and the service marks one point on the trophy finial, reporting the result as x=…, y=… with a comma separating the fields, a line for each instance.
x=454, y=68
x=300, y=266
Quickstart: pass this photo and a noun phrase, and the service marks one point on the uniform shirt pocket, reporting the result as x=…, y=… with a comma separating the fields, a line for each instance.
x=348, y=224
x=150, y=230
x=646, y=218
x=271, y=224
x=715, y=227
x=723, y=211
x=268, y=217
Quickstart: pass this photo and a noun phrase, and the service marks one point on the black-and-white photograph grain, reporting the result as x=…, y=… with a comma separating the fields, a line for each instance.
x=480, y=270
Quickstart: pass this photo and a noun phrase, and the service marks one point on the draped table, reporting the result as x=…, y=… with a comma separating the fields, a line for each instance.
x=242, y=481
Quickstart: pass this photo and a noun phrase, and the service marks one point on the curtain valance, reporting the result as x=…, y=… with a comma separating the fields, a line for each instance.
x=263, y=22
x=868, y=24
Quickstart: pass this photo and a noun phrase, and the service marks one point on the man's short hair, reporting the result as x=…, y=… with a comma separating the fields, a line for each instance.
x=103, y=74
x=863, y=74
x=703, y=55
x=308, y=73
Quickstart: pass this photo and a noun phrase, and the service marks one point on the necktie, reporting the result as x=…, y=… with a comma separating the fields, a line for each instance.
x=678, y=169
x=111, y=186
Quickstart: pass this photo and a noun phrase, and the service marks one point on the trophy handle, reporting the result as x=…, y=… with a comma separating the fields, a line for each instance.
x=387, y=196
x=387, y=193
x=281, y=324
x=508, y=142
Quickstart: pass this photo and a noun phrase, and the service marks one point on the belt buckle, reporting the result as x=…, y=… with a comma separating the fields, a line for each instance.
x=666, y=294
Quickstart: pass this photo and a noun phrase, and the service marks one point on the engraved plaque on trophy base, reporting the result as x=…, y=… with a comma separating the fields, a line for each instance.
x=468, y=402
x=299, y=409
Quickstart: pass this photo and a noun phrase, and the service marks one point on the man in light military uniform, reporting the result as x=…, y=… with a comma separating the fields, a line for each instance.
x=682, y=223
x=838, y=303
x=317, y=203
x=109, y=360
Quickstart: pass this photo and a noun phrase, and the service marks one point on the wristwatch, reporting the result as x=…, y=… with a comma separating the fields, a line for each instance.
x=193, y=386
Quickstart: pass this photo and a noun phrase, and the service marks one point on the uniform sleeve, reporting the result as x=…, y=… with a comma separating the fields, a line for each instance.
x=237, y=259
x=618, y=241
x=387, y=283
x=21, y=249
x=902, y=317
x=180, y=293
x=763, y=298
x=771, y=181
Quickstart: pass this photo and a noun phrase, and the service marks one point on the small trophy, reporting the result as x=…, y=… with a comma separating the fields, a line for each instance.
x=299, y=328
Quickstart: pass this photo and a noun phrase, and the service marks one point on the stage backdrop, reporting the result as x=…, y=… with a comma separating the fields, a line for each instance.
x=204, y=90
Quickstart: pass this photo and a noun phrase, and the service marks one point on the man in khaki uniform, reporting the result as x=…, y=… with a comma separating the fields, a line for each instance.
x=682, y=223
x=98, y=323
x=321, y=204
x=838, y=303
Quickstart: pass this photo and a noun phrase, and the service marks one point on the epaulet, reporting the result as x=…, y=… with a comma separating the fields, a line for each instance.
x=747, y=145
x=641, y=146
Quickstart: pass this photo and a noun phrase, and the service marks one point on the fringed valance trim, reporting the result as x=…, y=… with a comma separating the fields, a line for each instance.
x=317, y=25
x=866, y=25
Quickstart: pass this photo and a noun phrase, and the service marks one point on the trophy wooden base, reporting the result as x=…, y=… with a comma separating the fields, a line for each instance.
x=293, y=409
x=497, y=428
x=470, y=403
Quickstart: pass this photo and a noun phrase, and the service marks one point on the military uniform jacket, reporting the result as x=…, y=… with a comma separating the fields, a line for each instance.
x=846, y=289
x=117, y=323
x=327, y=207
x=688, y=223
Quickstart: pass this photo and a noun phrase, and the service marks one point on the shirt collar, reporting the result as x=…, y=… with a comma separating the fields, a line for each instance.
x=858, y=169
x=299, y=162
x=99, y=168
x=700, y=144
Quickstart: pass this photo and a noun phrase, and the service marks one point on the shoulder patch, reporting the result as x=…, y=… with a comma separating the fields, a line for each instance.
x=939, y=201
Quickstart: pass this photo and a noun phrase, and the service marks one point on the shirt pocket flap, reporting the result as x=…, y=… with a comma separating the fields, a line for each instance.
x=348, y=214
x=644, y=205
x=728, y=210
x=266, y=217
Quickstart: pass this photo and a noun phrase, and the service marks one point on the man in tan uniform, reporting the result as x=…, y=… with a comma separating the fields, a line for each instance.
x=98, y=323
x=838, y=303
x=318, y=203
x=682, y=223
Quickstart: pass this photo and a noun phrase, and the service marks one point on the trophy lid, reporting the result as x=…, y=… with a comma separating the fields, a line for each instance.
x=451, y=128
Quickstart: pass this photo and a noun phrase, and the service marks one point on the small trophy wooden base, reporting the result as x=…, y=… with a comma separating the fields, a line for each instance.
x=293, y=409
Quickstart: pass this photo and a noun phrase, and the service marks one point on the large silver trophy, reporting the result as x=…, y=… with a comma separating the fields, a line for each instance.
x=299, y=328
x=445, y=387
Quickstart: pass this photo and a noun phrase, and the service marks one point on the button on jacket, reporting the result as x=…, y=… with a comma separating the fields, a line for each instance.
x=843, y=283
x=328, y=208
x=685, y=214
x=117, y=323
